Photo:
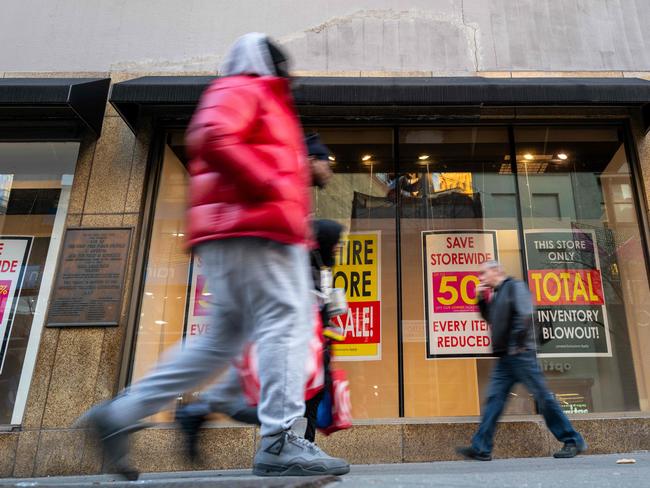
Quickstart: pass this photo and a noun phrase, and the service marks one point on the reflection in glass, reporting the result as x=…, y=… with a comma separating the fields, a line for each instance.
x=360, y=196
x=163, y=305
x=35, y=183
x=577, y=181
x=464, y=183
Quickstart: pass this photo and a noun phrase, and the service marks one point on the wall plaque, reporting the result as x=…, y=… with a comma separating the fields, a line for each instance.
x=90, y=278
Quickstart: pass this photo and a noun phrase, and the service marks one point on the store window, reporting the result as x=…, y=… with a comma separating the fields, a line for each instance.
x=361, y=196
x=457, y=209
x=35, y=182
x=162, y=320
x=556, y=205
x=586, y=267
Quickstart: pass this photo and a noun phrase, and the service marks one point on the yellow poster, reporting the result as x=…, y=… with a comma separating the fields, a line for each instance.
x=357, y=270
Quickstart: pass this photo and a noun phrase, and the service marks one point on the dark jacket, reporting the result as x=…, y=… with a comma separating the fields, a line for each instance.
x=509, y=313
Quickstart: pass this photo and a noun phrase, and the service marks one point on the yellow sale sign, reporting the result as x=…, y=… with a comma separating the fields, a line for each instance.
x=357, y=271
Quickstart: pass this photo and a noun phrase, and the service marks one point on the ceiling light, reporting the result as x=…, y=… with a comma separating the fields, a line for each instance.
x=563, y=156
x=423, y=157
x=366, y=157
x=528, y=157
x=331, y=158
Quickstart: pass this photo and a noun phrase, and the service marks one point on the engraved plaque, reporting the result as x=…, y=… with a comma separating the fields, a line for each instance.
x=90, y=278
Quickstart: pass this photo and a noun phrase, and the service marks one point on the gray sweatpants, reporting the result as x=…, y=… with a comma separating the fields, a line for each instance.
x=261, y=292
x=226, y=396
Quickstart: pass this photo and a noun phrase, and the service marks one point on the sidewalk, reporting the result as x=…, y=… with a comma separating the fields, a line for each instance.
x=583, y=471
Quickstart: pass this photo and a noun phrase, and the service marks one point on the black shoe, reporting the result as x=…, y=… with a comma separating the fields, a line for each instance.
x=569, y=450
x=114, y=440
x=191, y=418
x=471, y=453
x=247, y=415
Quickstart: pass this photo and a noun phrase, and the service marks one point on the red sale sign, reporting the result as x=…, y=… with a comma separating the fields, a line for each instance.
x=452, y=261
x=362, y=319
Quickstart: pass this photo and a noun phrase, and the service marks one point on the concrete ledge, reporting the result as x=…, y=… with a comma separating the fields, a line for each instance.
x=67, y=451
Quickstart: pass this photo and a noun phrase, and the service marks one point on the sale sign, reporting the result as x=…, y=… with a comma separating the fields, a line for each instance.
x=14, y=254
x=357, y=270
x=567, y=289
x=198, y=310
x=452, y=261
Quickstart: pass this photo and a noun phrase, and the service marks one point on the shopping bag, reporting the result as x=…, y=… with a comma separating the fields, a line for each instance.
x=335, y=409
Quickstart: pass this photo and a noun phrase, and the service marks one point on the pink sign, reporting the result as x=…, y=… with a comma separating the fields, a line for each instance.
x=201, y=296
x=5, y=290
x=455, y=291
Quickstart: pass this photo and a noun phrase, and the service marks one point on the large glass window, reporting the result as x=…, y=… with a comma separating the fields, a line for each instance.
x=586, y=266
x=35, y=182
x=556, y=205
x=165, y=294
x=457, y=202
x=361, y=196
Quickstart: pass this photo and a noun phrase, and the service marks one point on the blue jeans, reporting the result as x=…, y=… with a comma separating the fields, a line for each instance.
x=521, y=368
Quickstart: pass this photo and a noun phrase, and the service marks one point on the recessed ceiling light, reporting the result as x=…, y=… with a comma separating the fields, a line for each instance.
x=528, y=157
x=331, y=158
x=563, y=156
x=366, y=157
x=423, y=157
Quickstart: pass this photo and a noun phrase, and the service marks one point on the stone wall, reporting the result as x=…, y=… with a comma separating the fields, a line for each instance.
x=336, y=36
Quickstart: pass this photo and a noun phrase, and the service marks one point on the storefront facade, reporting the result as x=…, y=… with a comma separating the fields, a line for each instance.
x=426, y=188
x=434, y=172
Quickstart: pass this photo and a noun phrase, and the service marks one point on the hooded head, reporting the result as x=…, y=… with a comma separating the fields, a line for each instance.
x=255, y=54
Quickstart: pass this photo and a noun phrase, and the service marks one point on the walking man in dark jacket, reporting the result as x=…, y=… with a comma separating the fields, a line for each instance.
x=509, y=312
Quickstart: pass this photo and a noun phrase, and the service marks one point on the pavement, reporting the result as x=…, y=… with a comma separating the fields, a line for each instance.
x=597, y=471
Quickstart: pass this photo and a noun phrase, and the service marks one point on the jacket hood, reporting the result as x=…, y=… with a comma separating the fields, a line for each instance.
x=249, y=55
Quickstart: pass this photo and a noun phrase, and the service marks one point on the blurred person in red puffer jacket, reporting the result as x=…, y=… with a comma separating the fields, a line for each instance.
x=248, y=220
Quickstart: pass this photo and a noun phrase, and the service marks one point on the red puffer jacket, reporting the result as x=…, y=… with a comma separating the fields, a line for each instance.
x=248, y=169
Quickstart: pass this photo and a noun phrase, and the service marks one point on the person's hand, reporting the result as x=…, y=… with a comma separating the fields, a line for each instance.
x=482, y=289
x=321, y=172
